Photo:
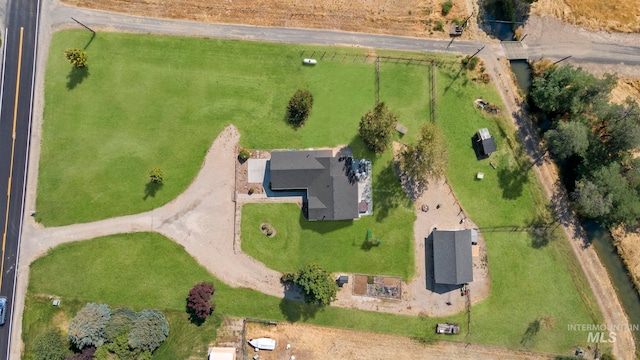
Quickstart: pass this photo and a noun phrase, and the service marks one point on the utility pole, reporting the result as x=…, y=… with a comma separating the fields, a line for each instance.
x=563, y=59
x=476, y=53
x=84, y=26
x=464, y=23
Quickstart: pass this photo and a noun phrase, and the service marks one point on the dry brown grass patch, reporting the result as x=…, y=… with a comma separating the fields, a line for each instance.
x=408, y=17
x=609, y=15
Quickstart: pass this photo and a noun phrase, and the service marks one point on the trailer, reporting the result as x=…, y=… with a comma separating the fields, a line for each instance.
x=448, y=329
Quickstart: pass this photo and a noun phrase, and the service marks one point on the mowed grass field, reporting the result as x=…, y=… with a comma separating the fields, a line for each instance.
x=530, y=281
x=158, y=101
x=146, y=270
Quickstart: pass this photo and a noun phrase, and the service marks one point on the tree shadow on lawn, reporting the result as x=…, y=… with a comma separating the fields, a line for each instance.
x=387, y=192
x=77, y=76
x=529, y=335
x=293, y=306
x=511, y=181
x=151, y=189
x=542, y=228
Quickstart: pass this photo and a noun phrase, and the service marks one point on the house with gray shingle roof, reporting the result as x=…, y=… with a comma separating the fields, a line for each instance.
x=452, y=259
x=331, y=194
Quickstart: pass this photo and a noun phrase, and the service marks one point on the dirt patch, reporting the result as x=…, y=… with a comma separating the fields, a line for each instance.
x=319, y=343
x=610, y=15
x=626, y=87
x=409, y=17
x=628, y=245
x=62, y=321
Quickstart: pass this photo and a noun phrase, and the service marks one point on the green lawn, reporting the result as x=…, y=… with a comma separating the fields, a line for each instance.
x=158, y=101
x=336, y=246
x=125, y=269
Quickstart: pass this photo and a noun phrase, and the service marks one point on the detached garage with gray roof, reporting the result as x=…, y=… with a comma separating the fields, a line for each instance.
x=331, y=195
x=452, y=259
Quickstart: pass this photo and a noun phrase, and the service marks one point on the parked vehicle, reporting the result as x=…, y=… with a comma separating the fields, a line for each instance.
x=309, y=61
x=3, y=310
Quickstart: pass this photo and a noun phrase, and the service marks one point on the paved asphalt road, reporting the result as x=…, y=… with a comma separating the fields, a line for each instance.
x=15, y=123
x=594, y=52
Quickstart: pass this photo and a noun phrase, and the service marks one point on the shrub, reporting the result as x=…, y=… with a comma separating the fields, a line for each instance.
x=470, y=63
x=77, y=57
x=199, y=303
x=446, y=7
x=156, y=176
x=299, y=107
x=439, y=26
x=121, y=321
x=86, y=354
x=87, y=327
x=149, y=331
x=244, y=155
x=376, y=128
x=49, y=346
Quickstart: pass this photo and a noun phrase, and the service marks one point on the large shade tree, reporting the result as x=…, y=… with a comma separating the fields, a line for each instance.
x=376, y=128
x=569, y=138
x=299, y=107
x=318, y=285
x=425, y=159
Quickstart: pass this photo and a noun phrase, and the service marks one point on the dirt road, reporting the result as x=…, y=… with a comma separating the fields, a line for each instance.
x=320, y=343
x=546, y=172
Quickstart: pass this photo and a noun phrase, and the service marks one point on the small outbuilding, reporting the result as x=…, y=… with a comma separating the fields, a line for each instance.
x=222, y=353
x=452, y=258
x=487, y=144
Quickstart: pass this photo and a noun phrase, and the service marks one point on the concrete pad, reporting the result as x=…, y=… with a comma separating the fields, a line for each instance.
x=257, y=168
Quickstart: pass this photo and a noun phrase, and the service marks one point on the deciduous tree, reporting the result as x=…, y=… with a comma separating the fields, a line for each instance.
x=199, y=302
x=427, y=158
x=569, y=138
x=318, y=285
x=86, y=354
x=568, y=90
x=299, y=107
x=376, y=128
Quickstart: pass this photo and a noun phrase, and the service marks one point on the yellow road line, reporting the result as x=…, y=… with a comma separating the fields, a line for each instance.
x=13, y=151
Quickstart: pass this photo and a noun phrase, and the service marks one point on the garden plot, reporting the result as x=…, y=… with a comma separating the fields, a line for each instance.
x=383, y=287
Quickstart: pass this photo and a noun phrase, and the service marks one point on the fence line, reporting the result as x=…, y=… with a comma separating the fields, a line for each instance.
x=433, y=91
x=378, y=76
